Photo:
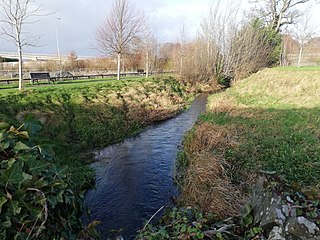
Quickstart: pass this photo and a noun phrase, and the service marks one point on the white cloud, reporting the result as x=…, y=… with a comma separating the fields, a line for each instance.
x=80, y=19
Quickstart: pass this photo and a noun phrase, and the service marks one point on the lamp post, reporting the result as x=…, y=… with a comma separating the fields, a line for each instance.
x=58, y=45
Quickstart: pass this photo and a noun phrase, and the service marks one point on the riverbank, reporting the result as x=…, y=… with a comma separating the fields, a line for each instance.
x=264, y=126
x=80, y=117
x=72, y=120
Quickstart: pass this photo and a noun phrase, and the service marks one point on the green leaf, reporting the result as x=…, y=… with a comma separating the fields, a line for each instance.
x=5, y=145
x=32, y=125
x=247, y=215
x=4, y=125
x=26, y=176
x=7, y=224
x=36, y=166
x=16, y=208
x=3, y=235
x=53, y=201
x=200, y=235
x=21, y=146
x=59, y=197
x=40, y=183
x=3, y=200
x=34, y=213
x=13, y=175
x=11, y=162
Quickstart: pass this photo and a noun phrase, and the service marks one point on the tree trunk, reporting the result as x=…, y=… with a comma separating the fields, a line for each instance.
x=20, y=68
x=147, y=64
x=300, y=56
x=181, y=65
x=283, y=59
x=119, y=66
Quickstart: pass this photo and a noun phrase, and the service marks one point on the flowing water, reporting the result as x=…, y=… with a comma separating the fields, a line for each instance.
x=135, y=178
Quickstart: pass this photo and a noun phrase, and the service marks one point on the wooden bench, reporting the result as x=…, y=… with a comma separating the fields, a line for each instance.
x=36, y=76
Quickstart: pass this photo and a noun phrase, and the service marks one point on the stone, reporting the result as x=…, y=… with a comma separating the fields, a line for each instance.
x=267, y=209
x=278, y=220
x=289, y=211
x=277, y=233
x=301, y=228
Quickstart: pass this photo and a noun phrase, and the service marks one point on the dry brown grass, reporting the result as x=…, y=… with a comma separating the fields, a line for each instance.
x=221, y=103
x=147, y=107
x=207, y=186
x=206, y=183
x=208, y=136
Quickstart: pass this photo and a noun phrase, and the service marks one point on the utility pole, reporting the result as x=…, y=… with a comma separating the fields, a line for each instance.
x=58, y=45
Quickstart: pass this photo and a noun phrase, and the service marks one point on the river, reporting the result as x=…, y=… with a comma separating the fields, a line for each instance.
x=134, y=178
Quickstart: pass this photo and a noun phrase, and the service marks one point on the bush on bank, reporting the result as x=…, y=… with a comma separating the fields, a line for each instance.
x=37, y=200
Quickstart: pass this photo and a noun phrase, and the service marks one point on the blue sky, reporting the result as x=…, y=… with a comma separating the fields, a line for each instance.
x=81, y=18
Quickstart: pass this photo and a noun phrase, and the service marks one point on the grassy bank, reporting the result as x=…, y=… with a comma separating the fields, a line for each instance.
x=42, y=192
x=266, y=124
x=80, y=117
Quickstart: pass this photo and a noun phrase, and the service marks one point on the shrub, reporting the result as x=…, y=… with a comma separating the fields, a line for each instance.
x=36, y=198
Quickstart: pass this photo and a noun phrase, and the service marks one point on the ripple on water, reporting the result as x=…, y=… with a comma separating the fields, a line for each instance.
x=135, y=178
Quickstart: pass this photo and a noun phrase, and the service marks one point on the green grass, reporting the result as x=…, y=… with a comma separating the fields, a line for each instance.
x=269, y=122
x=277, y=114
x=299, y=69
x=67, y=82
x=79, y=117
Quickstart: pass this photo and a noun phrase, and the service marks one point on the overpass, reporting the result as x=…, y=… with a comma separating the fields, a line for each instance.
x=39, y=56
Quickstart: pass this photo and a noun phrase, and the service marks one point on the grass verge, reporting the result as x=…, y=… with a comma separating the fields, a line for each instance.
x=267, y=123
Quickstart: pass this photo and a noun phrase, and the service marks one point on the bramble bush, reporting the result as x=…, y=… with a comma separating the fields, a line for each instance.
x=36, y=197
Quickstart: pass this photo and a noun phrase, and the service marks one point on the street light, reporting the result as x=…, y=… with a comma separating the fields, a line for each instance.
x=58, y=46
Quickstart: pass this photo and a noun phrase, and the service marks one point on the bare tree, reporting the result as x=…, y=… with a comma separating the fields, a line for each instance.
x=217, y=31
x=302, y=32
x=182, y=40
x=226, y=48
x=277, y=13
x=250, y=50
x=148, y=42
x=123, y=26
x=15, y=14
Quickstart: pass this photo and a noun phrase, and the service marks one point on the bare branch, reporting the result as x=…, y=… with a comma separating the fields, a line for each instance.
x=123, y=26
x=303, y=32
x=14, y=15
x=278, y=13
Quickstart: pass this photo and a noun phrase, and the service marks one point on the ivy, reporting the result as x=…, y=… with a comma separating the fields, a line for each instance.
x=36, y=197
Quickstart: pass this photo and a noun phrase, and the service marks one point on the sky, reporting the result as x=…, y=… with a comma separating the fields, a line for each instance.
x=79, y=20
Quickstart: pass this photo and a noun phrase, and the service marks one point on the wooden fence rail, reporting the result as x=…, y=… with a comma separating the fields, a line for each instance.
x=109, y=75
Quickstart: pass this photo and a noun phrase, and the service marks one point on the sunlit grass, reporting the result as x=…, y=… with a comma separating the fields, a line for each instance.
x=269, y=122
x=278, y=115
x=299, y=69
